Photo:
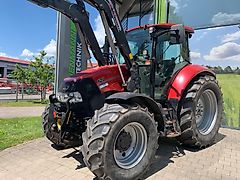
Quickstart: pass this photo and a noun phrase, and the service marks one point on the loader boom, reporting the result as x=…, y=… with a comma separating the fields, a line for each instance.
x=107, y=7
x=78, y=14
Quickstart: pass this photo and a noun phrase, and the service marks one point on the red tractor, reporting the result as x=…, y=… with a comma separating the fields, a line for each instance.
x=117, y=111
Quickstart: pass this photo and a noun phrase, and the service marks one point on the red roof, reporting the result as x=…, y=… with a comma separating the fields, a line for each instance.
x=12, y=60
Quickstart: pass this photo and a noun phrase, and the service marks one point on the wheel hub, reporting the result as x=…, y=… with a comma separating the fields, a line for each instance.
x=124, y=141
x=206, y=112
x=199, y=110
x=130, y=145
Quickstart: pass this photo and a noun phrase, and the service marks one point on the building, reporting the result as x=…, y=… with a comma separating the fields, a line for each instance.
x=7, y=65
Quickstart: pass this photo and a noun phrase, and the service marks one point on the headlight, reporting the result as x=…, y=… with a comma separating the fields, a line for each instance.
x=62, y=97
x=76, y=97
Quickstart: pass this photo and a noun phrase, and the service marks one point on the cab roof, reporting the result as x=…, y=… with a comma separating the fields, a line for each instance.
x=163, y=25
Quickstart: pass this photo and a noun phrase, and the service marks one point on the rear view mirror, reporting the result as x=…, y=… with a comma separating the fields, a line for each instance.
x=177, y=34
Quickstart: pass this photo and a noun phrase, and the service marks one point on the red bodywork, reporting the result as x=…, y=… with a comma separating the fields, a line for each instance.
x=107, y=78
x=183, y=78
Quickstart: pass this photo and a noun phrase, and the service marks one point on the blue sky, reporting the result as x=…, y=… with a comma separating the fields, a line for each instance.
x=217, y=46
x=27, y=28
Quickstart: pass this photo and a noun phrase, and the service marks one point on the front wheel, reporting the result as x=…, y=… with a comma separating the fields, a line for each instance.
x=52, y=128
x=201, y=112
x=49, y=129
x=120, y=142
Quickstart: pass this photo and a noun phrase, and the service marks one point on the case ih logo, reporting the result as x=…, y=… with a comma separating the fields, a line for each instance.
x=101, y=80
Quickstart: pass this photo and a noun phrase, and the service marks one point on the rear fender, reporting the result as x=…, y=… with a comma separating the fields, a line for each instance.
x=183, y=78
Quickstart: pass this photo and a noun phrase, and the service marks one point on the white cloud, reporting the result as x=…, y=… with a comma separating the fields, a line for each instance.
x=178, y=4
x=99, y=30
x=6, y=55
x=3, y=54
x=222, y=18
x=227, y=51
x=27, y=53
x=201, y=36
x=195, y=55
x=51, y=48
x=151, y=18
x=231, y=37
x=175, y=4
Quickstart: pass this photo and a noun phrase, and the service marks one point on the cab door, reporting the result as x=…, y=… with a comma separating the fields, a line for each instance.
x=170, y=58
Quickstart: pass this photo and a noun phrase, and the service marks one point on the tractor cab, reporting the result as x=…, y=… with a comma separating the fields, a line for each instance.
x=159, y=52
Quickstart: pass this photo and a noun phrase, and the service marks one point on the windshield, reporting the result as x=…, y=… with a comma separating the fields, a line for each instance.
x=140, y=44
x=139, y=40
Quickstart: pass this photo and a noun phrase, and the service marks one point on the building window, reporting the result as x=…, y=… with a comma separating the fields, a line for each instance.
x=140, y=14
x=1, y=72
x=9, y=73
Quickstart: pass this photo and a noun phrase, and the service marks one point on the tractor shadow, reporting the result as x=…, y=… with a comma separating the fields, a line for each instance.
x=170, y=149
x=77, y=155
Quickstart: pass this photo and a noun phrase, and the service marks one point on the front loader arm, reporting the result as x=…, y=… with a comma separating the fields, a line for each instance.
x=113, y=21
x=78, y=14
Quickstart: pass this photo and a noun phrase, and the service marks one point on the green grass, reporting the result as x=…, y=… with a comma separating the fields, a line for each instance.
x=18, y=130
x=231, y=93
x=23, y=103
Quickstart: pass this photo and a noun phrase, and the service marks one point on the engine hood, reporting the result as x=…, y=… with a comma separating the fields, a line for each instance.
x=107, y=77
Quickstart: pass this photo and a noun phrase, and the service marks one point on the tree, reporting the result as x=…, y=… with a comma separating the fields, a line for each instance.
x=228, y=70
x=218, y=70
x=237, y=71
x=20, y=74
x=41, y=74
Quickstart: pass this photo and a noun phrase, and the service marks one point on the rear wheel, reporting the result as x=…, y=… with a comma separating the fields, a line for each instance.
x=201, y=112
x=120, y=142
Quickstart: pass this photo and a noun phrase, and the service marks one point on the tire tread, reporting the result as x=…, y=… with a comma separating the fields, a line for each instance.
x=189, y=137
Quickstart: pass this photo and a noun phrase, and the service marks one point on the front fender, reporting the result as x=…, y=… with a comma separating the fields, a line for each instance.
x=183, y=78
x=140, y=99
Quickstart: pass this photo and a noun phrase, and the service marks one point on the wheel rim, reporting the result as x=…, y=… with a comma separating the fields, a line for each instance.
x=206, y=112
x=130, y=145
